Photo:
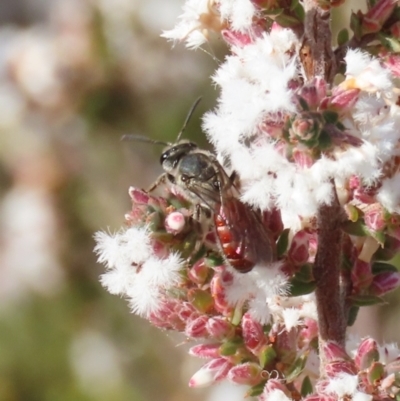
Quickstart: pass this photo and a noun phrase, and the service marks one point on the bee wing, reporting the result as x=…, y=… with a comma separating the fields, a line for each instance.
x=249, y=237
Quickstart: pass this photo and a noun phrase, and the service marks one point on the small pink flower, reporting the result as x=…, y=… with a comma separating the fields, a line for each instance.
x=303, y=158
x=375, y=18
x=385, y=282
x=393, y=60
x=334, y=352
x=253, y=334
x=213, y=371
x=298, y=252
x=313, y=92
x=361, y=275
x=366, y=353
x=374, y=217
x=175, y=222
x=341, y=99
x=197, y=327
x=249, y=373
x=199, y=272
x=219, y=328
x=205, y=350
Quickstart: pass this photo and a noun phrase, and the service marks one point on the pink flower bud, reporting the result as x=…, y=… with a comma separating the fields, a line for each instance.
x=393, y=61
x=303, y=158
x=385, y=282
x=361, y=275
x=199, y=272
x=205, y=350
x=220, y=328
x=375, y=18
x=334, y=352
x=342, y=99
x=248, y=373
x=395, y=31
x=219, y=295
x=236, y=38
x=367, y=352
x=175, y=222
x=186, y=311
x=197, y=328
x=374, y=217
x=213, y=371
x=253, y=334
x=298, y=252
x=313, y=92
x=336, y=368
x=138, y=196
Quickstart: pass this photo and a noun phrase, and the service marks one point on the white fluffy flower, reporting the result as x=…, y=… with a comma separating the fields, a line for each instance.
x=255, y=89
x=256, y=287
x=347, y=385
x=134, y=270
x=199, y=17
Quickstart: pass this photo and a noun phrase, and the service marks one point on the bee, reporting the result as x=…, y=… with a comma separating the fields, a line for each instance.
x=243, y=238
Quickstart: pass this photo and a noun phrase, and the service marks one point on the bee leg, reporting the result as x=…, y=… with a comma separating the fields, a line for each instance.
x=159, y=181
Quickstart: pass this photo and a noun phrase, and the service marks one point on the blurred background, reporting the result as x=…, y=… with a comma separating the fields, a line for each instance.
x=75, y=75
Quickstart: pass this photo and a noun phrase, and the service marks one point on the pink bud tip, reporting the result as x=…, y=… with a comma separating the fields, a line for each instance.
x=211, y=372
x=175, y=222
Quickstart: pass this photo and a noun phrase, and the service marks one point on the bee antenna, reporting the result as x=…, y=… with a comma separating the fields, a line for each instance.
x=141, y=138
x=191, y=111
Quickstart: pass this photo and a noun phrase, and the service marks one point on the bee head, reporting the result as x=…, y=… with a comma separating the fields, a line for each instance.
x=173, y=154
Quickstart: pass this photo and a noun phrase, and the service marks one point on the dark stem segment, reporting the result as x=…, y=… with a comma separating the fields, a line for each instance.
x=316, y=51
x=330, y=294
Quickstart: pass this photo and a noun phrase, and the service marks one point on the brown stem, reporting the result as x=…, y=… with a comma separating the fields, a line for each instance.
x=330, y=293
x=316, y=50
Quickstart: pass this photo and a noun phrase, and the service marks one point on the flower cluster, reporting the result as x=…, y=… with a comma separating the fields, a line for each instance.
x=297, y=144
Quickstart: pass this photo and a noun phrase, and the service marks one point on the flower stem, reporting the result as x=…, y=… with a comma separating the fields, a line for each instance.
x=330, y=294
x=316, y=50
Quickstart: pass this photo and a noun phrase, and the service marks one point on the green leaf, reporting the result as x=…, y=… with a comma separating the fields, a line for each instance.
x=324, y=140
x=286, y=21
x=267, y=355
x=299, y=288
x=355, y=24
x=256, y=390
x=303, y=104
x=299, y=12
x=366, y=300
x=343, y=37
x=283, y=242
x=380, y=267
x=330, y=117
x=296, y=368
x=356, y=228
x=201, y=300
x=305, y=275
x=306, y=387
x=230, y=347
x=351, y=318
x=390, y=43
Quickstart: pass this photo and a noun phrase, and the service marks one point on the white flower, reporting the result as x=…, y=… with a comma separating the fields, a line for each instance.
x=200, y=17
x=365, y=72
x=347, y=385
x=256, y=287
x=197, y=19
x=135, y=270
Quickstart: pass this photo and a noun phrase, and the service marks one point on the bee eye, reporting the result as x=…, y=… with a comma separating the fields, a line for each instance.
x=171, y=178
x=163, y=157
